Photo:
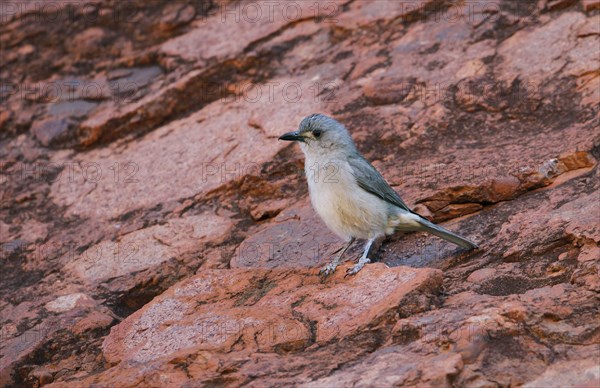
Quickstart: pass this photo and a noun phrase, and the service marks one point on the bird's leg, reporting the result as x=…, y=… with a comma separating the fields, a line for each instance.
x=363, y=260
x=330, y=268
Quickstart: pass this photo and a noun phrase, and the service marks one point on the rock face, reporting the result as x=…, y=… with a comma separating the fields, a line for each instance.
x=154, y=232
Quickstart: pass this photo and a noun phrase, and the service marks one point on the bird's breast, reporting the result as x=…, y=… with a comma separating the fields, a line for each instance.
x=346, y=209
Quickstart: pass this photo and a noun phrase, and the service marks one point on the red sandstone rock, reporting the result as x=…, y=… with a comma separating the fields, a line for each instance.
x=297, y=239
x=279, y=315
x=52, y=131
x=590, y=5
x=154, y=232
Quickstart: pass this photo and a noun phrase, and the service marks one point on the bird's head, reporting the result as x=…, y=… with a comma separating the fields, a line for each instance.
x=319, y=134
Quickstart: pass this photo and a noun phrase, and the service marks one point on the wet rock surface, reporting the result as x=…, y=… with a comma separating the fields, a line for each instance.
x=154, y=232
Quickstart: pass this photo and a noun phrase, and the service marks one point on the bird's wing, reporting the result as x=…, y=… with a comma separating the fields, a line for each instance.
x=369, y=179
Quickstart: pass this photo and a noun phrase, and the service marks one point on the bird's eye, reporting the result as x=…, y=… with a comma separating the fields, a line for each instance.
x=317, y=133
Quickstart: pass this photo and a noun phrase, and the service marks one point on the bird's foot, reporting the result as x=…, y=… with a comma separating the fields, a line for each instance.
x=328, y=269
x=354, y=270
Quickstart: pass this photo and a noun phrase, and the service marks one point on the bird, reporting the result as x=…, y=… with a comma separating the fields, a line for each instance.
x=350, y=195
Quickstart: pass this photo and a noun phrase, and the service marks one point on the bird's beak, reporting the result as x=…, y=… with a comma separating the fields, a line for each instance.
x=292, y=136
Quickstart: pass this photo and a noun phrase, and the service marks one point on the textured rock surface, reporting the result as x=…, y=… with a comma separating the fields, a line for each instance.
x=154, y=232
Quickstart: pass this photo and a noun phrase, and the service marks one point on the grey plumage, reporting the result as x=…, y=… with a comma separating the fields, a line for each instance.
x=350, y=195
x=371, y=180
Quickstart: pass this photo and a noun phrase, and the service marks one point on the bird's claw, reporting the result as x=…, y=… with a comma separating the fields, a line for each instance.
x=328, y=269
x=354, y=269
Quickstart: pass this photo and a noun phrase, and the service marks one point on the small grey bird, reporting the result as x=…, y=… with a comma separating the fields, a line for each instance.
x=350, y=195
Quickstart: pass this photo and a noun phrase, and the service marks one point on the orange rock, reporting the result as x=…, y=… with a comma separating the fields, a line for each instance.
x=273, y=311
x=590, y=5
x=142, y=187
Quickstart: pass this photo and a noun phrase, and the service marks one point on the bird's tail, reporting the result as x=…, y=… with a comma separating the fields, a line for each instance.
x=446, y=234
